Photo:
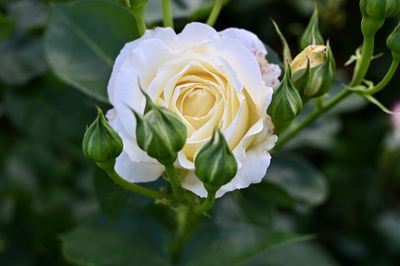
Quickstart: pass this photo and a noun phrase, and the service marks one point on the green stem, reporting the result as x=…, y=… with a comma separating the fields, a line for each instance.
x=388, y=77
x=174, y=181
x=366, y=57
x=311, y=118
x=141, y=24
x=206, y=205
x=167, y=13
x=108, y=167
x=216, y=9
x=182, y=232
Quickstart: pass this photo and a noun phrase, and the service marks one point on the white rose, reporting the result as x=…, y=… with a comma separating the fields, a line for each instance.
x=210, y=79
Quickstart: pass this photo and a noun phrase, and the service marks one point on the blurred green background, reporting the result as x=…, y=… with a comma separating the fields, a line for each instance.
x=46, y=185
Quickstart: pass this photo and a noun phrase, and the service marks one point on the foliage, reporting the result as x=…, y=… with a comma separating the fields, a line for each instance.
x=52, y=198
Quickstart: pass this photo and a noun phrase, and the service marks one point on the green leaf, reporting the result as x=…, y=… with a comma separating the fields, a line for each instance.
x=21, y=59
x=296, y=254
x=299, y=178
x=233, y=244
x=132, y=241
x=112, y=198
x=82, y=40
x=62, y=114
x=376, y=102
x=257, y=201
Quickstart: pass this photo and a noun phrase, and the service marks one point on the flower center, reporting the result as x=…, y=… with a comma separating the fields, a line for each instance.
x=197, y=102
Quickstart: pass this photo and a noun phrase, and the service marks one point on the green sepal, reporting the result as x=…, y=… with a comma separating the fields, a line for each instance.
x=286, y=103
x=215, y=164
x=393, y=42
x=312, y=34
x=101, y=143
x=287, y=55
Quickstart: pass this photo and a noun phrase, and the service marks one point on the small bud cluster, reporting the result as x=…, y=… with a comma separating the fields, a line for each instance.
x=310, y=75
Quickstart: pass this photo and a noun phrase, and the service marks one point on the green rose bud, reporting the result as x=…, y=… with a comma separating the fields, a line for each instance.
x=375, y=12
x=313, y=71
x=215, y=165
x=160, y=133
x=393, y=42
x=286, y=103
x=380, y=9
x=101, y=143
x=311, y=35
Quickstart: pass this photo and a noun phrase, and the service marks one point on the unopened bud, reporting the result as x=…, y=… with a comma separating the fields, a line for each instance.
x=393, y=42
x=375, y=12
x=312, y=34
x=286, y=103
x=314, y=71
x=160, y=133
x=215, y=165
x=101, y=143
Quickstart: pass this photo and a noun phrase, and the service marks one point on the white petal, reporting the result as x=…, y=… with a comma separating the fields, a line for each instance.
x=249, y=39
x=194, y=34
x=135, y=171
x=252, y=171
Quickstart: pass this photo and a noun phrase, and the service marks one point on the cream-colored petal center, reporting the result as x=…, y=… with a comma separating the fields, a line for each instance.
x=198, y=102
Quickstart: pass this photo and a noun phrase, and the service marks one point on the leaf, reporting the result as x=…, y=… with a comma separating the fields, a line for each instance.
x=298, y=254
x=376, y=102
x=257, y=201
x=112, y=198
x=233, y=244
x=81, y=47
x=21, y=59
x=134, y=240
x=299, y=178
x=62, y=114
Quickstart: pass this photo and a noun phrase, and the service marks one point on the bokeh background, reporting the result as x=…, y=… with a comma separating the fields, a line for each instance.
x=46, y=185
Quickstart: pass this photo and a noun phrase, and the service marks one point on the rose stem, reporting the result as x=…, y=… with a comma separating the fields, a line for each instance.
x=216, y=9
x=388, y=77
x=174, y=181
x=127, y=185
x=167, y=13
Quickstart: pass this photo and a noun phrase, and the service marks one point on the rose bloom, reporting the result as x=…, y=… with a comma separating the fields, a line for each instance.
x=210, y=80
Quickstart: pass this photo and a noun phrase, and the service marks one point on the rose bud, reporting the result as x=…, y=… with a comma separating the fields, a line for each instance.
x=286, y=103
x=101, y=143
x=311, y=35
x=215, y=165
x=380, y=9
x=375, y=12
x=313, y=71
x=393, y=42
x=160, y=133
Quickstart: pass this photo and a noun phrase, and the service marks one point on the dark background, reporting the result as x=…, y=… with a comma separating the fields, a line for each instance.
x=46, y=183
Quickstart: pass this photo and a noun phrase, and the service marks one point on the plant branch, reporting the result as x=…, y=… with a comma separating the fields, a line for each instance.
x=385, y=81
x=108, y=167
x=174, y=181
